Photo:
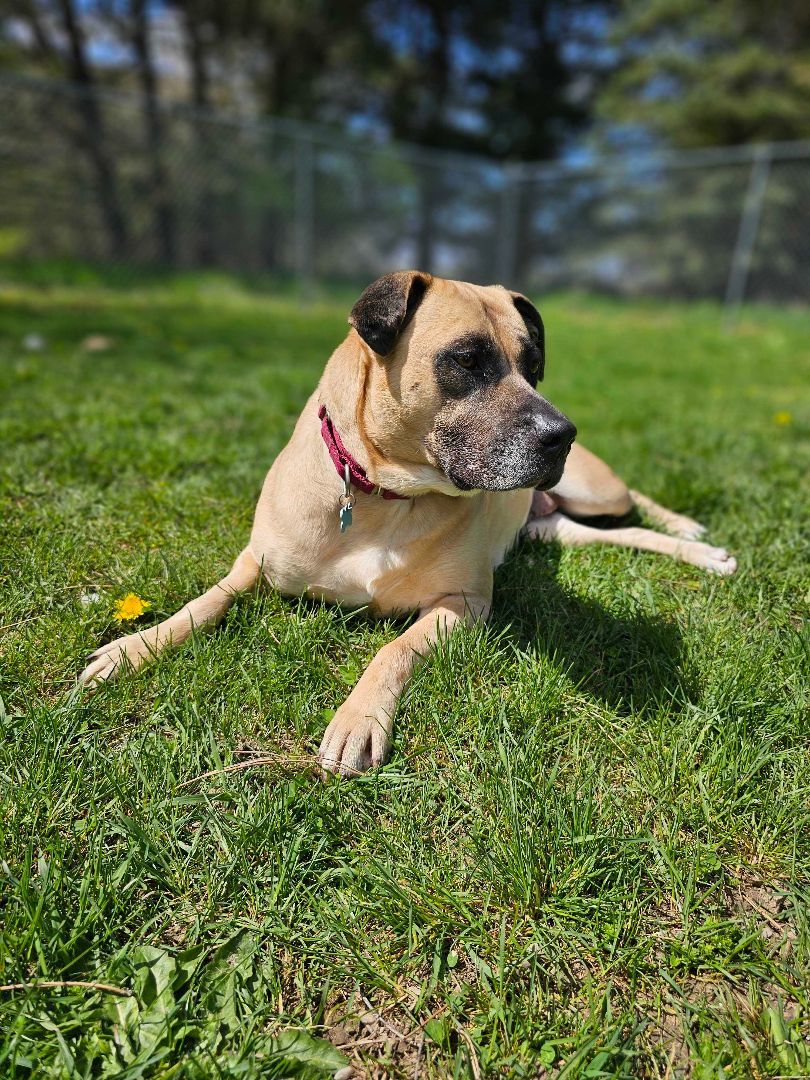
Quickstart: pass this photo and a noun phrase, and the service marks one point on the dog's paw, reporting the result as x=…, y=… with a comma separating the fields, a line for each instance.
x=714, y=559
x=354, y=742
x=685, y=527
x=107, y=662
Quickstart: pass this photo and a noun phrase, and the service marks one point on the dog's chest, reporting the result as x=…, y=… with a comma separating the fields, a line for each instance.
x=396, y=556
x=400, y=568
x=355, y=576
x=501, y=517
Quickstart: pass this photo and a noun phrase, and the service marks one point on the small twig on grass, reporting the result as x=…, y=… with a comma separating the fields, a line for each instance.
x=779, y=927
x=60, y=983
x=22, y=622
x=476, y=1068
x=419, y=1049
x=274, y=759
x=399, y=1034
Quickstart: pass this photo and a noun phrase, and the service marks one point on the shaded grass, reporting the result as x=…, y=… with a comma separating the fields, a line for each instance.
x=589, y=854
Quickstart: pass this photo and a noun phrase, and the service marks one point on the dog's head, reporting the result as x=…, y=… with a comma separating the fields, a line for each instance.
x=452, y=382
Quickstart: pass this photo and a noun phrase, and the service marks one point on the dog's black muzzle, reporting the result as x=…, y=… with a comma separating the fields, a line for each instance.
x=505, y=444
x=549, y=435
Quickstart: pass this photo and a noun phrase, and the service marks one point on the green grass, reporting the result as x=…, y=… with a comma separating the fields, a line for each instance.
x=590, y=853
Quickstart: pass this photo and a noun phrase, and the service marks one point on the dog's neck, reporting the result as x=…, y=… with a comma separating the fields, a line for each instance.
x=345, y=391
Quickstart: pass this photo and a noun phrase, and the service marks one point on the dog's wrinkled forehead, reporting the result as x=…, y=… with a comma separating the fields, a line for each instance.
x=415, y=312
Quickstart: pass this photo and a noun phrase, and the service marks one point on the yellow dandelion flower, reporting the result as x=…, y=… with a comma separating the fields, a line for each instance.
x=130, y=607
x=783, y=418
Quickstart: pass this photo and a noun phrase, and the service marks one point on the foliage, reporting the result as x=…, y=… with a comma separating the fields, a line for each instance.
x=589, y=853
x=698, y=74
x=511, y=79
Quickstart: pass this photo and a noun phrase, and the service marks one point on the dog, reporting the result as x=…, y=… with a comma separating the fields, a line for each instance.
x=421, y=457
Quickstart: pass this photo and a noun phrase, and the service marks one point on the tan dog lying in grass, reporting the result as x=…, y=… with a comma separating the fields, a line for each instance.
x=423, y=454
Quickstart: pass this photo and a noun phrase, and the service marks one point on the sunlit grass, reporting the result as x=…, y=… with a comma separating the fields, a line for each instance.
x=589, y=853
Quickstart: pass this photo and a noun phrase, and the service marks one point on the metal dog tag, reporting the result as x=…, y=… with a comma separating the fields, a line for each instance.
x=346, y=501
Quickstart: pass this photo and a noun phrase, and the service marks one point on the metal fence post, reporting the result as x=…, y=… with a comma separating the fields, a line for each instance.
x=648, y=221
x=747, y=234
x=304, y=211
x=506, y=241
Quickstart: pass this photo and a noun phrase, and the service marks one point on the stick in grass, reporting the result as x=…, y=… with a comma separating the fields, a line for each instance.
x=276, y=759
x=58, y=984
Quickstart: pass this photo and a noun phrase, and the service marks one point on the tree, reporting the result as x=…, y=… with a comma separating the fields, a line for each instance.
x=131, y=21
x=696, y=74
x=512, y=79
x=58, y=42
x=509, y=79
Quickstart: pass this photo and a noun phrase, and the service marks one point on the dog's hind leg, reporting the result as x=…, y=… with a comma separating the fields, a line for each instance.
x=136, y=649
x=677, y=524
x=575, y=534
x=590, y=488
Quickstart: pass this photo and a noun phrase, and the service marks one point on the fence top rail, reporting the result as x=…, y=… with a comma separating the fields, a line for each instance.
x=300, y=130
x=540, y=171
x=662, y=161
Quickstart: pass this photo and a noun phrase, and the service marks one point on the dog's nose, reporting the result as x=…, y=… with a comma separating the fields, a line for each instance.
x=556, y=433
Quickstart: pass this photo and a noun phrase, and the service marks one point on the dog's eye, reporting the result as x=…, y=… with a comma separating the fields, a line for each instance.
x=465, y=360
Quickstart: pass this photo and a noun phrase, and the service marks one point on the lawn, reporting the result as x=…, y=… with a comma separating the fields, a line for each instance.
x=590, y=853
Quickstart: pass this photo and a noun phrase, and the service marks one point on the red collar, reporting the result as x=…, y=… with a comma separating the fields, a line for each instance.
x=341, y=458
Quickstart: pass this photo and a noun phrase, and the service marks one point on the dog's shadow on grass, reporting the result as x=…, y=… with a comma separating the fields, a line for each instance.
x=630, y=661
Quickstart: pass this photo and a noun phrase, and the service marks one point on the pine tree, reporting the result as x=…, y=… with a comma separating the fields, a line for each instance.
x=716, y=73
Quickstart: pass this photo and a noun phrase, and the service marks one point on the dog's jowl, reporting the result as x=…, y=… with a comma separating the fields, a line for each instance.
x=424, y=452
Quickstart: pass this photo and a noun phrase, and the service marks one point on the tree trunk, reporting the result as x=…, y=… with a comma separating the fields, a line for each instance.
x=426, y=226
x=430, y=187
x=524, y=238
x=94, y=139
x=204, y=244
x=164, y=217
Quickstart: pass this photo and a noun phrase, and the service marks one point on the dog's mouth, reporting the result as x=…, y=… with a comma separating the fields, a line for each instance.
x=468, y=477
x=550, y=481
x=487, y=450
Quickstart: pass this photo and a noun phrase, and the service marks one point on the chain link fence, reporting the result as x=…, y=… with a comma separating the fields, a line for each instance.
x=93, y=175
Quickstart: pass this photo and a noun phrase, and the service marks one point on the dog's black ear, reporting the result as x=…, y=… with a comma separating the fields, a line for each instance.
x=383, y=311
x=534, y=324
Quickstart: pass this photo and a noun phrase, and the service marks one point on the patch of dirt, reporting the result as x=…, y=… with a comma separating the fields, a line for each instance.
x=765, y=904
x=380, y=1042
x=751, y=900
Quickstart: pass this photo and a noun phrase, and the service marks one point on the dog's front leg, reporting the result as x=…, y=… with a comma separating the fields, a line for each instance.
x=359, y=735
